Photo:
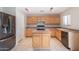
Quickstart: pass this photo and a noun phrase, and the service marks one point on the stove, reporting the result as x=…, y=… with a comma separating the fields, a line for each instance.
x=40, y=26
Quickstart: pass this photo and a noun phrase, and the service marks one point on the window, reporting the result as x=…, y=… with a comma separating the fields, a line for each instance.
x=67, y=20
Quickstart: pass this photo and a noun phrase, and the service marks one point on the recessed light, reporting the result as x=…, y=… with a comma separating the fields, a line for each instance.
x=27, y=9
x=51, y=8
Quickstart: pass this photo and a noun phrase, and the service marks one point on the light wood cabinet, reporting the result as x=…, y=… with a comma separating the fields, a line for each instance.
x=53, y=20
x=31, y=20
x=53, y=32
x=28, y=32
x=36, y=41
x=45, y=40
x=58, y=34
x=56, y=20
x=47, y=19
x=41, y=40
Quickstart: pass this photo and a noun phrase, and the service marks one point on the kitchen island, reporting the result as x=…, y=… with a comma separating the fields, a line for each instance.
x=41, y=39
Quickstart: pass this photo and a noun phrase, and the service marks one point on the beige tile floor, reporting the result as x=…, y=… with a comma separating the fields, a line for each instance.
x=26, y=45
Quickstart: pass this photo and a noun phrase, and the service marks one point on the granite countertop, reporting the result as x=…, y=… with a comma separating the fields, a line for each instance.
x=4, y=36
x=46, y=26
x=55, y=26
x=68, y=29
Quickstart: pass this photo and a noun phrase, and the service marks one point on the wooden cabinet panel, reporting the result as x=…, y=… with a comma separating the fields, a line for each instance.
x=31, y=20
x=56, y=20
x=46, y=41
x=36, y=41
x=28, y=32
x=47, y=19
x=58, y=34
x=41, y=40
x=53, y=32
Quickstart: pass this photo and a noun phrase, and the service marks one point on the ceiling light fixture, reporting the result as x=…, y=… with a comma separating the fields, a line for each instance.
x=51, y=8
x=27, y=9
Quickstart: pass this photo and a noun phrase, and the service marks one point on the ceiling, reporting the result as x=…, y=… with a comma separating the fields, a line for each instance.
x=44, y=10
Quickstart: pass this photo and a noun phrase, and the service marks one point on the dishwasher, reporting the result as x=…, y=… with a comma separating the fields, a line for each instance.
x=64, y=39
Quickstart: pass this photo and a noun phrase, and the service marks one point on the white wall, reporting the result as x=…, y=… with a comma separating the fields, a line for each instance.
x=20, y=23
x=74, y=12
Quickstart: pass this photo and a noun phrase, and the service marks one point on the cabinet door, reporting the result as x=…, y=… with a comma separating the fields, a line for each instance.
x=53, y=32
x=46, y=40
x=36, y=41
x=51, y=19
x=31, y=20
x=56, y=20
x=28, y=32
x=58, y=34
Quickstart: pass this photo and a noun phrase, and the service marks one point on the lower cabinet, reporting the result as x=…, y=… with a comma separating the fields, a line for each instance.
x=41, y=40
x=58, y=34
x=63, y=37
x=28, y=32
x=45, y=41
x=36, y=41
x=53, y=32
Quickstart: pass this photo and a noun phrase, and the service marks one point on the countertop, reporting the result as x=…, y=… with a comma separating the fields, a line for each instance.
x=46, y=31
x=46, y=26
x=68, y=29
x=55, y=26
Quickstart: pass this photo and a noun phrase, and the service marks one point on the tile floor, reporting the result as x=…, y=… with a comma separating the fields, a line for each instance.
x=26, y=45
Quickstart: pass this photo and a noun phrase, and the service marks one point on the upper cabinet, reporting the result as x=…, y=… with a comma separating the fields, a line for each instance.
x=53, y=20
x=46, y=19
x=31, y=20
